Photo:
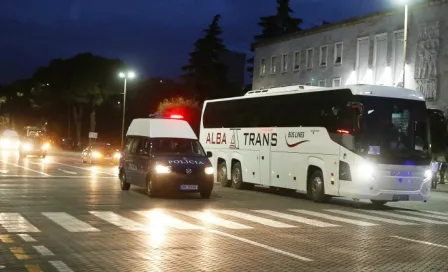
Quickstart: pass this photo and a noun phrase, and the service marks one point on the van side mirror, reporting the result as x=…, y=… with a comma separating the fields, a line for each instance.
x=209, y=154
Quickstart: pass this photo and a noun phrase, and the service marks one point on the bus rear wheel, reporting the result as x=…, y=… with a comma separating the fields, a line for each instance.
x=237, y=176
x=316, y=188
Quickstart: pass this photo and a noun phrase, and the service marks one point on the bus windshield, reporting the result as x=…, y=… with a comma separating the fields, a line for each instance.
x=393, y=130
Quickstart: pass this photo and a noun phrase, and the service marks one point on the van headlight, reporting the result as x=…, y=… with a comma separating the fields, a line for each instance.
x=208, y=170
x=366, y=169
x=162, y=169
x=428, y=174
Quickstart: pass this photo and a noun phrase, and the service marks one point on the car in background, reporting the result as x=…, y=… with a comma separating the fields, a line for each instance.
x=100, y=153
x=34, y=146
x=9, y=140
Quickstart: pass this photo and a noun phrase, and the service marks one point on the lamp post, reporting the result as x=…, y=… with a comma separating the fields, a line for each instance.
x=405, y=41
x=125, y=76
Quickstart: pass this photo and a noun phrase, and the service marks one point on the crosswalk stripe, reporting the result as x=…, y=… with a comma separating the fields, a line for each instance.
x=296, y=218
x=14, y=222
x=158, y=217
x=118, y=220
x=371, y=217
x=210, y=218
x=69, y=222
x=401, y=216
x=256, y=219
x=425, y=214
x=440, y=213
x=335, y=218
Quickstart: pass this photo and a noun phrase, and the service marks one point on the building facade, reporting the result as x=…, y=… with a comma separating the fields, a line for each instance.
x=364, y=50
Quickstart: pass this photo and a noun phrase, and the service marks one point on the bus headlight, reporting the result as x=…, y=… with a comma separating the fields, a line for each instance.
x=428, y=174
x=208, y=170
x=366, y=169
x=162, y=169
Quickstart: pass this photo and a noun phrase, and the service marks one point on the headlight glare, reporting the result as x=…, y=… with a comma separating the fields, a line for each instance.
x=428, y=174
x=117, y=155
x=366, y=169
x=96, y=154
x=162, y=169
x=208, y=170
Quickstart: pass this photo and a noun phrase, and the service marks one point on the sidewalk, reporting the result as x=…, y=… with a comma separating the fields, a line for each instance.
x=441, y=188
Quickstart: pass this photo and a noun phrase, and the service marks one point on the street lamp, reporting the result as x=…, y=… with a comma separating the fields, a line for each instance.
x=125, y=76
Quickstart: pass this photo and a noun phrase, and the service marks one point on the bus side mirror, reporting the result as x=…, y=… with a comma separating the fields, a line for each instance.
x=209, y=154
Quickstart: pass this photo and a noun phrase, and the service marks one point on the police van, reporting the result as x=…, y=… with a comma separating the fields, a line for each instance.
x=163, y=155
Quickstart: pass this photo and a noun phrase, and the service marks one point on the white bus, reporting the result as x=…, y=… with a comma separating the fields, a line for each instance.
x=361, y=142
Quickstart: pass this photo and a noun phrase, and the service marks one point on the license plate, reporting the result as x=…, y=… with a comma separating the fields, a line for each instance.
x=400, y=197
x=188, y=187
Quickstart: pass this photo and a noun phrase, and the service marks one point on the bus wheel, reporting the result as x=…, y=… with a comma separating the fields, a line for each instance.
x=316, y=188
x=378, y=203
x=222, y=175
x=237, y=176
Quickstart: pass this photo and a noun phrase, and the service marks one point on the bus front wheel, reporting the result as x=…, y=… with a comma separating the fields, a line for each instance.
x=316, y=188
x=222, y=175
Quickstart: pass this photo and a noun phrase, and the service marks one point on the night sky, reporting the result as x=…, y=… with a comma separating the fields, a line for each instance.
x=153, y=36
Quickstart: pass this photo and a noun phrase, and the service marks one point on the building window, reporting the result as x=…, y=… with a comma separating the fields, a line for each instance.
x=262, y=67
x=337, y=82
x=273, y=65
x=309, y=58
x=323, y=55
x=362, y=59
x=323, y=83
x=338, y=48
x=284, y=63
x=296, y=60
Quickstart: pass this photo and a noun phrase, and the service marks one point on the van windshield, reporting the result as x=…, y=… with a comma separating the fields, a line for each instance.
x=177, y=146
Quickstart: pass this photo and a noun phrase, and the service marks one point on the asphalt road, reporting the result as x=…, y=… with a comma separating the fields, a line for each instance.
x=57, y=214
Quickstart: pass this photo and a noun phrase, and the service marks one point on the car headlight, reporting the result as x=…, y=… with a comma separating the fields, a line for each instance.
x=27, y=147
x=162, y=169
x=45, y=146
x=208, y=170
x=428, y=174
x=366, y=169
x=117, y=155
x=96, y=154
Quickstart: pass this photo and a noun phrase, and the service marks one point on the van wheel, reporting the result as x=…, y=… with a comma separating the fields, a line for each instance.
x=237, y=176
x=378, y=203
x=222, y=175
x=316, y=188
x=151, y=188
x=123, y=184
x=205, y=194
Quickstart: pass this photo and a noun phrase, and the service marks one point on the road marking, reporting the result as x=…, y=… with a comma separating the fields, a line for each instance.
x=26, y=168
x=157, y=217
x=43, y=251
x=371, y=217
x=119, y=221
x=424, y=214
x=419, y=241
x=67, y=172
x=69, y=222
x=55, y=177
x=434, y=212
x=401, y=216
x=14, y=222
x=296, y=218
x=256, y=219
x=26, y=237
x=60, y=266
x=19, y=253
x=335, y=218
x=33, y=268
x=6, y=238
x=210, y=218
x=84, y=168
x=273, y=249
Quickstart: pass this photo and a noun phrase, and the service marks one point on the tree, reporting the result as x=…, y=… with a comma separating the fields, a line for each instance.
x=205, y=73
x=14, y=102
x=274, y=26
x=81, y=83
x=189, y=109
